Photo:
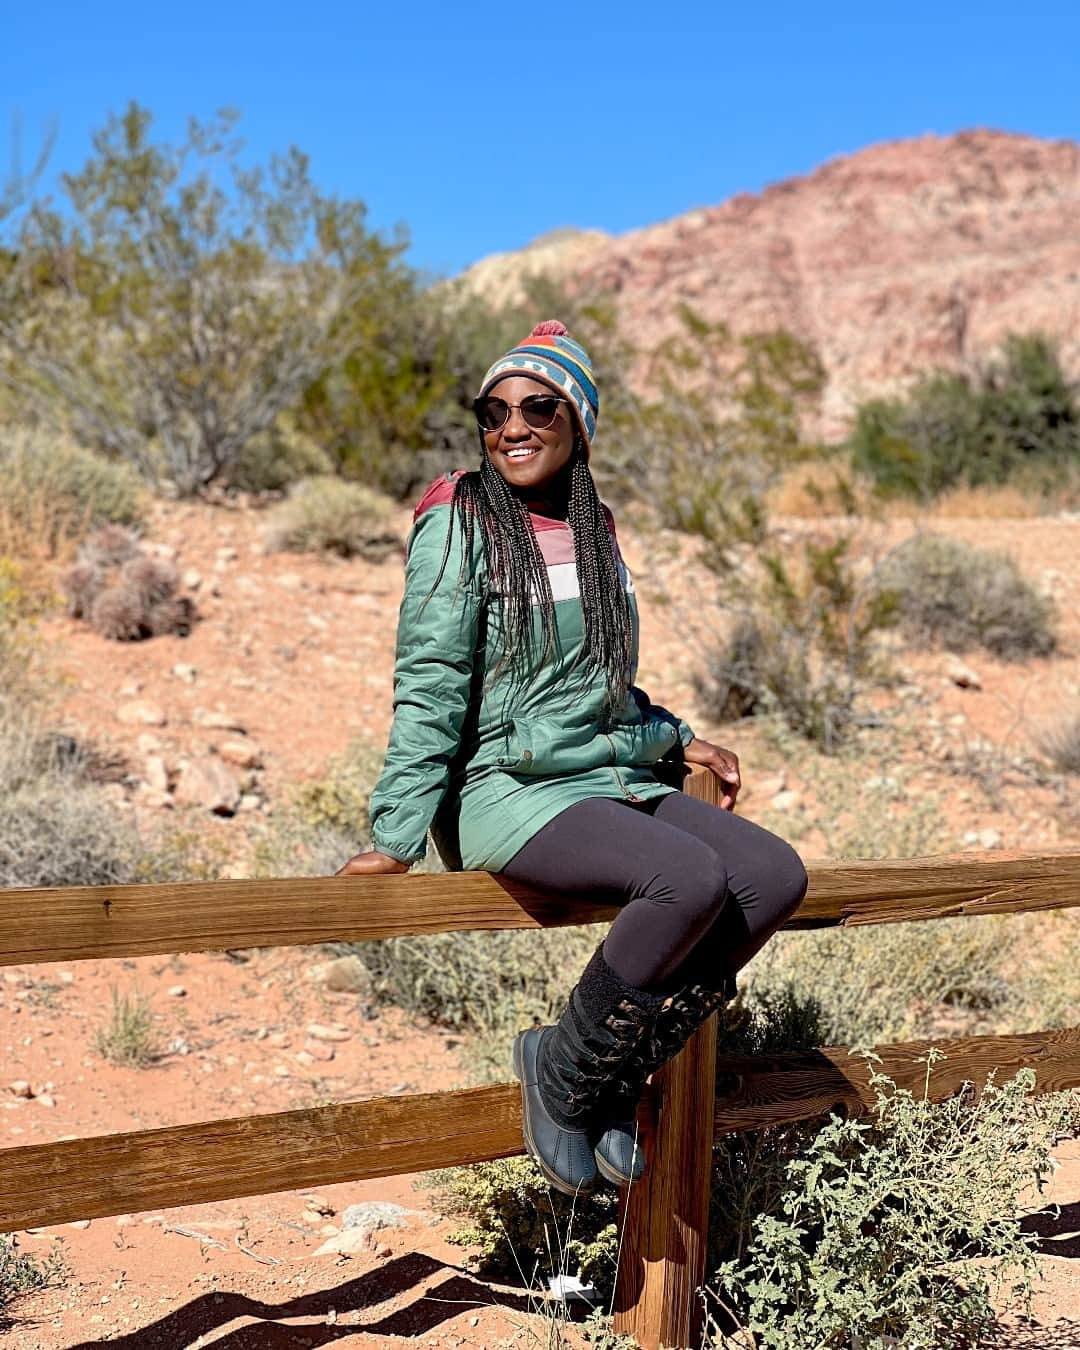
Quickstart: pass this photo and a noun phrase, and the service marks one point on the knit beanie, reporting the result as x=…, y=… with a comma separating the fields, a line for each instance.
x=551, y=355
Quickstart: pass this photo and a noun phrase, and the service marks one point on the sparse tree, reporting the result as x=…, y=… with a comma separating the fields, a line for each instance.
x=183, y=301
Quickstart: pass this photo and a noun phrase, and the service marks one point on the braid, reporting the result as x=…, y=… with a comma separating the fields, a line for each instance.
x=603, y=597
x=517, y=571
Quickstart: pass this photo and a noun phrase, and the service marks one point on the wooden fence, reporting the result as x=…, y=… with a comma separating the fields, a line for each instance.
x=663, y=1252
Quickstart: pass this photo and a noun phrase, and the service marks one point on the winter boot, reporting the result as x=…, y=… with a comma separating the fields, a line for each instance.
x=567, y=1070
x=618, y=1152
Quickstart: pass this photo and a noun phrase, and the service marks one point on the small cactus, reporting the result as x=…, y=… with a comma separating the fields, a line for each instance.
x=119, y=613
x=154, y=580
x=80, y=586
x=124, y=593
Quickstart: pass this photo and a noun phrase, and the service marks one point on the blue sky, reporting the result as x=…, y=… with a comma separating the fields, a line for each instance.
x=481, y=126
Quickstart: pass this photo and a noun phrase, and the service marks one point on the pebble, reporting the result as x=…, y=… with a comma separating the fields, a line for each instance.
x=317, y=1031
x=177, y=991
x=319, y=1050
x=304, y=1059
x=785, y=801
x=21, y=1088
x=216, y=719
x=46, y=1100
x=148, y=714
x=184, y=672
x=242, y=753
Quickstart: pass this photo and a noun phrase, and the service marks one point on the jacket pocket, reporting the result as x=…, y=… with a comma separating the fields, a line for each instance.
x=535, y=745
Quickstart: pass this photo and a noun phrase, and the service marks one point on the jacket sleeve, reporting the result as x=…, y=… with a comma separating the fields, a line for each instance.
x=436, y=645
x=685, y=730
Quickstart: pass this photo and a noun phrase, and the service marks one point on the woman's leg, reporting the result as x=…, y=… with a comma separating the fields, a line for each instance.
x=766, y=881
x=671, y=883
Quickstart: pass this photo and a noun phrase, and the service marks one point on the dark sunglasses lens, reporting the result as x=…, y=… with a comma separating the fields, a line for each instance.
x=539, y=410
x=491, y=413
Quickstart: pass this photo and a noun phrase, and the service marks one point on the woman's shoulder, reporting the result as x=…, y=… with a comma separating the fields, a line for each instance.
x=438, y=493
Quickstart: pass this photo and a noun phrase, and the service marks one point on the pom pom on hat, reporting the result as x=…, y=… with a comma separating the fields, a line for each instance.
x=549, y=328
x=551, y=355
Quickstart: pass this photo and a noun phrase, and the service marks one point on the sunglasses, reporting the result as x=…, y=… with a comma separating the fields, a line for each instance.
x=538, y=410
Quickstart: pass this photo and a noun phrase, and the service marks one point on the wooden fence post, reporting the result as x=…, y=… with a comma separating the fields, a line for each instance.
x=662, y=1263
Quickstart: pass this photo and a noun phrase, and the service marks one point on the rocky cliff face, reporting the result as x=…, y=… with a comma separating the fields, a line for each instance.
x=902, y=257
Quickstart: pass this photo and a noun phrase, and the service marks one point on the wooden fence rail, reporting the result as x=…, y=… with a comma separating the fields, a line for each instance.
x=664, y=1237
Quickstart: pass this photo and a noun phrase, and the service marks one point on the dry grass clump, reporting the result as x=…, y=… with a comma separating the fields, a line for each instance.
x=123, y=593
x=129, y=1039
x=1061, y=744
x=325, y=514
x=819, y=488
x=57, y=826
x=1002, y=501
x=945, y=592
x=56, y=491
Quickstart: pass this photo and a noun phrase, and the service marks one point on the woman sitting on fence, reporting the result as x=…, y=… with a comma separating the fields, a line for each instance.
x=521, y=741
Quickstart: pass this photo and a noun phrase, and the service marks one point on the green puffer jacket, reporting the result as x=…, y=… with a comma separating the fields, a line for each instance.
x=484, y=768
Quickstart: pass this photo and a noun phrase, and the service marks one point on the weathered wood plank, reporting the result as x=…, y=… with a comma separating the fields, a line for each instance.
x=255, y=1155
x=385, y=1136
x=755, y=1092
x=82, y=922
x=91, y=922
x=662, y=1259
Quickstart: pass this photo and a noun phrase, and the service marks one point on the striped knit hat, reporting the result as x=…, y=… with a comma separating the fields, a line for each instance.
x=551, y=355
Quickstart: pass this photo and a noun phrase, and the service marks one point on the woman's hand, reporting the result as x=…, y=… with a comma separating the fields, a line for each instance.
x=723, y=763
x=371, y=864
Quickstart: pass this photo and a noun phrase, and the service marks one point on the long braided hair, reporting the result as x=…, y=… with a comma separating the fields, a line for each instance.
x=517, y=572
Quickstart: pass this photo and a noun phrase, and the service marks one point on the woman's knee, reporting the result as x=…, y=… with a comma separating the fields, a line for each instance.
x=789, y=879
x=697, y=885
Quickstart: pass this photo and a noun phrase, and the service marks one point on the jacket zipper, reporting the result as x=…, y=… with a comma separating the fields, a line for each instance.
x=630, y=796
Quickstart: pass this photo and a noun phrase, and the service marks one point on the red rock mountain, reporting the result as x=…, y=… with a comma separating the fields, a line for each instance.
x=904, y=256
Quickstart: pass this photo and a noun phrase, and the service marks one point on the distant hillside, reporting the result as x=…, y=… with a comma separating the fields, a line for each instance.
x=901, y=257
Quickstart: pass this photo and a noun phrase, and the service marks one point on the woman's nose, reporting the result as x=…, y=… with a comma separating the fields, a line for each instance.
x=516, y=429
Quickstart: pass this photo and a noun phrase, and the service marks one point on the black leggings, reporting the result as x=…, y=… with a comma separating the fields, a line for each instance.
x=702, y=888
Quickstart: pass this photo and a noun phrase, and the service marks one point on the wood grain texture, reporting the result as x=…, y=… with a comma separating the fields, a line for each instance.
x=83, y=923
x=385, y=1136
x=755, y=1092
x=662, y=1261
x=255, y=1155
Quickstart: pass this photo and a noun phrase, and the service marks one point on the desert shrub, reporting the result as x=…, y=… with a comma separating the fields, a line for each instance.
x=800, y=647
x=123, y=593
x=129, y=1039
x=522, y=1228
x=490, y=985
x=946, y=592
x=327, y=514
x=886, y=982
x=276, y=459
x=57, y=827
x=1061, y=744
x=1018, y=413
x=56, y=491
x=21, y=1274
x=906, y=1223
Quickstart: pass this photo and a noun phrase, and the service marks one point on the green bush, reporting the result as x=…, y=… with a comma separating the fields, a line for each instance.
x=522, y=1228
x=945, y=592
x=59, y=491
x=21, y=1274
x=276, y=459
x=903, y=1224
x=1017, y=413
x=327, y=514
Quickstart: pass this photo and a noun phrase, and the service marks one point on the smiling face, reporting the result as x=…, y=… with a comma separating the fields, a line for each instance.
x=525, y=457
